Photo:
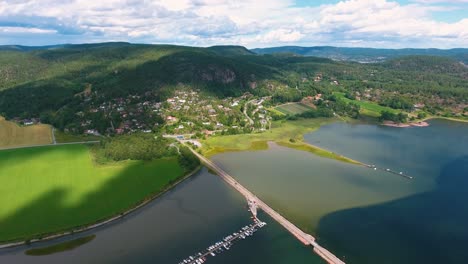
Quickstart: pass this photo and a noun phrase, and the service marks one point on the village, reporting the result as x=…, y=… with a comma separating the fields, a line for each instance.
x=187, y=112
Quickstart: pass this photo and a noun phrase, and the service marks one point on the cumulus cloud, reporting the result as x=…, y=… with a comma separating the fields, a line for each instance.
x=246, y=22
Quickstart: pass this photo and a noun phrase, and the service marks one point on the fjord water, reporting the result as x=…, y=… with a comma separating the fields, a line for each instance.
x=192, y=216
x=361, y=215
x=367, y=216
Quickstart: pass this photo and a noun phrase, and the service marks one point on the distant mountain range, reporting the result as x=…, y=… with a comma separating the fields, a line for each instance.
x=364, y=55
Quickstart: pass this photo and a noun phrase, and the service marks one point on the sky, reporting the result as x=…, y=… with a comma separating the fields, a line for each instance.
x=250, y=23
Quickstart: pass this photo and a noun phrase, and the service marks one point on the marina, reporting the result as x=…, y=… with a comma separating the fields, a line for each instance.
x=224, y=244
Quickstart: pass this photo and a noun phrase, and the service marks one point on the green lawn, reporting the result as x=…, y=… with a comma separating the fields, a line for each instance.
x=367, y=108
x=293, y=108
x=49, y=189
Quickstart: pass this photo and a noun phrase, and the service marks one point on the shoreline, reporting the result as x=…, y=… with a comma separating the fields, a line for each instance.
x=445, y=118
x=101, y=222
x=257, y=144
x=421, y=123
x=404, y=125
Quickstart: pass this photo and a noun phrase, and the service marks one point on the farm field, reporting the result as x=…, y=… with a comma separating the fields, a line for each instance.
x=367, y=108
x=61, y=188
x=13, y=135
x=293, y=108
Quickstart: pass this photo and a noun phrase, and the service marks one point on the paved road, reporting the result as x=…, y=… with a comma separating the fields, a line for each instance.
x=297, y=232
x=245, y=112
x=52, y=144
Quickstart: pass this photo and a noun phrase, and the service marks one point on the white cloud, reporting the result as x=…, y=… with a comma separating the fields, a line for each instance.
x=281, y=35
x=22, y=30
x=245, y=22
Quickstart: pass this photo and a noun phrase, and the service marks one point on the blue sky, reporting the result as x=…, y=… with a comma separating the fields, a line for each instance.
x=251, y=23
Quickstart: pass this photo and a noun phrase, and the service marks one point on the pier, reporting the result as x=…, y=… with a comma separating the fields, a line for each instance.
x=224, y=244
x=255, y=202
x=401, y=174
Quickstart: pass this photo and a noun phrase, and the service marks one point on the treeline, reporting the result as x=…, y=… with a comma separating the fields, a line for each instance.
x=397, y=102
x=146, y=147
x=138, y=146
x=187, y=159
x=397, y=118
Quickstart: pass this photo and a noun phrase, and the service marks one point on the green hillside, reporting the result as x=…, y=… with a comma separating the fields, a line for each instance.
x=35, y=80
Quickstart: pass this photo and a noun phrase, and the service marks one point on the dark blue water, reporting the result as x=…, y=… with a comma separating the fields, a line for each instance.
x=427, y=227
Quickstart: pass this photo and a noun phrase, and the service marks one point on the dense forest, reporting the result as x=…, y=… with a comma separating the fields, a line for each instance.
x=146, y=147
x=49, y=82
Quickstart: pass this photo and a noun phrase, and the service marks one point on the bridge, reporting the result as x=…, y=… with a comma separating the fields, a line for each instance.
x=255, y=202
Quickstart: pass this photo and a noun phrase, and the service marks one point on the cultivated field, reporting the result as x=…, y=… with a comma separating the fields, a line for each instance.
x=12, y=135
x=49, y=189
x=293, y=108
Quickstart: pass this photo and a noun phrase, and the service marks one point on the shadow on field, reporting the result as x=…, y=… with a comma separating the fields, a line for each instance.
x=49, y=212
x=425, y=228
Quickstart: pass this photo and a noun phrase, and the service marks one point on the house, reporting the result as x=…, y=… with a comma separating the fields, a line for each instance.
x=208, y=132
x=92, y=132
x=171, y=118
x=119, y=131
x=419, y=105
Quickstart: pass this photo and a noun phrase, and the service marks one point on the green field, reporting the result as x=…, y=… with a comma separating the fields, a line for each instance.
x=49, y=189
x=13, y=135
x=367, y=108
x=293, y=108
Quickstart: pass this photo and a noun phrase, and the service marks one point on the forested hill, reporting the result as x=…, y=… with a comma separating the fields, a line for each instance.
x=34, y=80
x=429, y=64
x=364, y=54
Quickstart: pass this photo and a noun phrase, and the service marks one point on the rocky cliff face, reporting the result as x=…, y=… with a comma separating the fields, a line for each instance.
x=218, y=74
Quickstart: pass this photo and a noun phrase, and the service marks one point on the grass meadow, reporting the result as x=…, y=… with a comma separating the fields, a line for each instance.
x=367, y=108
x=49, y=189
